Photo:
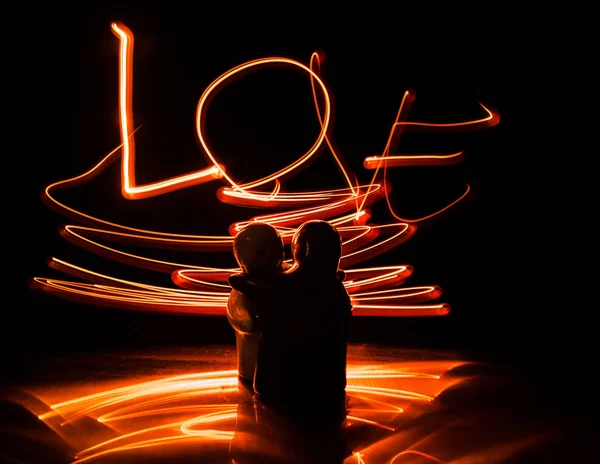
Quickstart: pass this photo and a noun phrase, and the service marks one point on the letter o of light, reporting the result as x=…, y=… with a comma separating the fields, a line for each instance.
x=225, y=79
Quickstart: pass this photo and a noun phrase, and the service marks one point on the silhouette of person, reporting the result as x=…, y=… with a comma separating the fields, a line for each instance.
x=303, y=315
x=258, y=250
x=263, y=436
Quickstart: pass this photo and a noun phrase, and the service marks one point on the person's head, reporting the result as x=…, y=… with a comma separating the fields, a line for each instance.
x=258, y=248
x=317, y=244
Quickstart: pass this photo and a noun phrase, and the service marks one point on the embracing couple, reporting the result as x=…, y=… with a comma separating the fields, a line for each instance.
x=291, y=321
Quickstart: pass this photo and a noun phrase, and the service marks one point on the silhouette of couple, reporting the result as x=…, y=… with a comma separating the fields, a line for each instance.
x=291, y=323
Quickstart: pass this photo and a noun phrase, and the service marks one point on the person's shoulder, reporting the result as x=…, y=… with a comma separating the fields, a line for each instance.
x=257, y=285
x=242, y=284
x=236, y=279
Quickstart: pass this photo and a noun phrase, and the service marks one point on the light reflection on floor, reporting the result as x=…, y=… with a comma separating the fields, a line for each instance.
x=185, y=406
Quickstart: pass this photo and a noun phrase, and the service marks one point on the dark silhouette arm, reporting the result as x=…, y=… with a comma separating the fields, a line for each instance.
x=243, y=285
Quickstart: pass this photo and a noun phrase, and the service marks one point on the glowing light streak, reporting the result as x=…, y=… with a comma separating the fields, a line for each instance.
x=191, y=242
x=327, y=211
x=390, y=393
x=372, y=162
x=126, y=294
x=196, y=381
x=241, y=198
x=129, y=188
x=371, y=422
x=180, y=409
x=160, y=411
x=400, y=125
x=417, y=453
x=202, y=103
x=203, y=290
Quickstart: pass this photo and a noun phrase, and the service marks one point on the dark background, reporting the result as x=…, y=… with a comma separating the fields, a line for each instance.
x=481, y=253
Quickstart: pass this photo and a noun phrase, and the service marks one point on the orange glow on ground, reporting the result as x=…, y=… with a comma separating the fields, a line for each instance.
x=404, y=407
x=200, y=407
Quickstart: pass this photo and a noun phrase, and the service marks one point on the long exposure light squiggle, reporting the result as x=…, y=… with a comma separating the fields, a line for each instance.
x=186, y=405
x=202, y=407
x=375, y=291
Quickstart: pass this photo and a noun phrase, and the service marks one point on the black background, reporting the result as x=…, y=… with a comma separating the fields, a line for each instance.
x=481, y=253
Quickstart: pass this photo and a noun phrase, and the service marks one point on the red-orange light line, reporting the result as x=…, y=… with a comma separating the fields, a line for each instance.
x=203, y=290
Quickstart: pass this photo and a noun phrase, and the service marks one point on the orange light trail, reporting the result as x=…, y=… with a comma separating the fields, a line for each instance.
x=203, y=290
x=129, y=188
x=202, y=408
x=372, y=162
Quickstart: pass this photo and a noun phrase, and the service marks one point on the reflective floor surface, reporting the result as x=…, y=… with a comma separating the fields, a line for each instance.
x=185, y=405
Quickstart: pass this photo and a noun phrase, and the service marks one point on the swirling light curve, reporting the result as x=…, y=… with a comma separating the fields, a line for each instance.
x=203, y=408
x=200, y=290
